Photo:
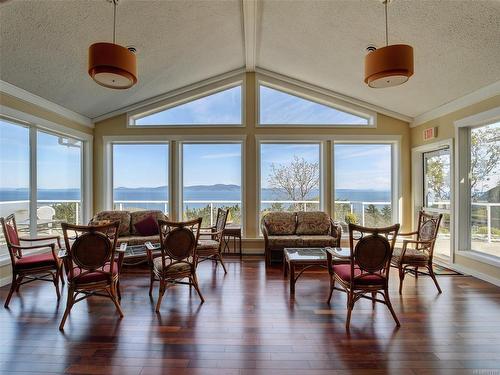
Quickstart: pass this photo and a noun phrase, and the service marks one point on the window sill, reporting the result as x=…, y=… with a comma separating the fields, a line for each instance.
x=480, y=257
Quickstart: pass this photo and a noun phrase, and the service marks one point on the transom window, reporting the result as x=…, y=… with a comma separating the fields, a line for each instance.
x=277, y=107
x=220, y=108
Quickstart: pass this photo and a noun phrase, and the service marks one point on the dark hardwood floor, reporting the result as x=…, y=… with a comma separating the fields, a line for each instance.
x=249, y=325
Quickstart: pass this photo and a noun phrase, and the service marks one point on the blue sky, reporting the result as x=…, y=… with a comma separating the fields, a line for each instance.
x=58, y=166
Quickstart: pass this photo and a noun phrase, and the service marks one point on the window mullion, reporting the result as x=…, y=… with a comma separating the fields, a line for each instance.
x=33, y=180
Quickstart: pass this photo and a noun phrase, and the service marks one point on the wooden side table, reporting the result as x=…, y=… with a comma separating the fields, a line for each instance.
x=235, y=234
x=304, y=257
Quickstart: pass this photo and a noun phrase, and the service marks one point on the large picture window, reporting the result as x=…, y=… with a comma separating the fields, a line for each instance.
x=363, y=184
x=219, y=108
x=140, y=176
x=484, y=183
x=211, y=180
x=290, y=177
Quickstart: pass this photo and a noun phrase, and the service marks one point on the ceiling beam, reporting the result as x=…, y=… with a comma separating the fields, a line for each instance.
x=249, y=10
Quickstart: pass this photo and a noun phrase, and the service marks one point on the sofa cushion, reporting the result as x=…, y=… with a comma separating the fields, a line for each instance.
x=122, y=216
x=280, y=223
x=138, y=240
x=137, y=216
x=147, y=227
x=315, y=222
x=280, y=242
x=318, y=241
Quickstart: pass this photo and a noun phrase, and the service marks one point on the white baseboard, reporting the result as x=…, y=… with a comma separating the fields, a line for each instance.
x=468, y=271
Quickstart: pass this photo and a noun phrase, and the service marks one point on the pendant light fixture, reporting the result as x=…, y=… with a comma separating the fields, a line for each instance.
x=111, y=65
x=390, y=65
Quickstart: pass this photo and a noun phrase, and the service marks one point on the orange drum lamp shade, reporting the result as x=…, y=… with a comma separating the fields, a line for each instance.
x=112, y=66
x=389, y=66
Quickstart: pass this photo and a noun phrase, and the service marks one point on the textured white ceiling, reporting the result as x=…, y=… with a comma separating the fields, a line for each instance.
x=43, y=46
x=456, y=46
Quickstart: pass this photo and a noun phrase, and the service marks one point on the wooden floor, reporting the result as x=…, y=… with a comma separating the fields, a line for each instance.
x=249, y=325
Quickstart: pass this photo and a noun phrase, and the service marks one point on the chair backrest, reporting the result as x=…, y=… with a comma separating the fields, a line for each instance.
x=11, y=236
x=92, y=249
x=428, y=226
x=179, y=239
x=221, y=221
x=372, y=251
x=45, y=212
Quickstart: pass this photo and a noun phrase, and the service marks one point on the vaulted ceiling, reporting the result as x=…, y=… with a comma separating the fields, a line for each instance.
x=44, y=46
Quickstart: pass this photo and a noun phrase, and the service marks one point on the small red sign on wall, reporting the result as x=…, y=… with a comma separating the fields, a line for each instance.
x=430, y=133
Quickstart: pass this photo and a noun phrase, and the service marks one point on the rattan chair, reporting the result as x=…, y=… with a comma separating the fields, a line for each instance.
x=420, y=252
x=90, y=264
x=211, y=248
x=177, y=260
x=367, y=273
x=30, y=267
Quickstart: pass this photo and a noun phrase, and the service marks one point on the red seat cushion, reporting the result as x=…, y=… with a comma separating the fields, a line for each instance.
x=147, y=227
x=93, y=277
x=35, y=261
x=344, y=272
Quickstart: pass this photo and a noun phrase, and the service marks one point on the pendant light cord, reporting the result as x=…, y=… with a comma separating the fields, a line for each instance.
x=386, y=25
x=114, y=21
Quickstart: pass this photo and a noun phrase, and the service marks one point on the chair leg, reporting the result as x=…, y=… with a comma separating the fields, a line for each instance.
x=374, y=295
x=332, y=286
x=69, y=305
x=118, y=291
x=161, y=292
x=401, y=278
x=416, y=272
x=350, y=306
x=389, y=305
x=431, y=272
x=55, y=279
x=151, y=282
x=13, y=287
x=61, y=274
x=219, y=257
x=194, y=281
x=114, y=297
x=18, y=283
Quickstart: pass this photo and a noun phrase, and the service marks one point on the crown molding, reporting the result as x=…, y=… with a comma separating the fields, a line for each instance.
x=333, y=94
x=474, y=97
x=170, y=94
x=27, y=96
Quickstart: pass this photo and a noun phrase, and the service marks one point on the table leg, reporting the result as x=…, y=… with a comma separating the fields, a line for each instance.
x=285, y=268
x=292, y=278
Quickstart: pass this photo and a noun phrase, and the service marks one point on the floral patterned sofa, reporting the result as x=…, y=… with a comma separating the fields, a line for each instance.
x=127, y=231
x=298, y=229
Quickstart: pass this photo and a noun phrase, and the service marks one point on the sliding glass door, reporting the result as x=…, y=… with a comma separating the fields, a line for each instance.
x=437, y=195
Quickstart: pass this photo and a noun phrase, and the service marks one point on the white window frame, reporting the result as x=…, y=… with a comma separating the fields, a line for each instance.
x=396, y=183
x=201, y=140
x=313, y=96
x=282, y=139
x=35, y=124
x=200, y=90
x=109, y=142
x=417, y=179
x=462, y=187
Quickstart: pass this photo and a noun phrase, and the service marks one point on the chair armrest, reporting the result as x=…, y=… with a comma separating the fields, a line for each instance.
x=414, y=242
x=18, y=247
x=407, y=234
x=62, y=254
x=44, y=238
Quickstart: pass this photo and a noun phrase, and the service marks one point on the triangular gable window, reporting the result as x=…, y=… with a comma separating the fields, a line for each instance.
x=281, y=108
x=220, y=108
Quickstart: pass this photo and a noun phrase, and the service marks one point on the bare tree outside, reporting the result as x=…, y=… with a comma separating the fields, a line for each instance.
x=297, y=178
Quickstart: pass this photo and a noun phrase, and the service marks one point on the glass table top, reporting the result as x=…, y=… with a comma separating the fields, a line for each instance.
x=314, y=253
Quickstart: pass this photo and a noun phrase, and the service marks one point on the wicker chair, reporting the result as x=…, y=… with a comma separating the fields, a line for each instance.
x=30, y=267
x=368, y=269
x=178, y=257
x=90, y=264
x=420, y=252
x=211, y=248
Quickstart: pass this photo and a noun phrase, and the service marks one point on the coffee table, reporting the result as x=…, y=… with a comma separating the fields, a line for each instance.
x=137, y=254
x=306, y=258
